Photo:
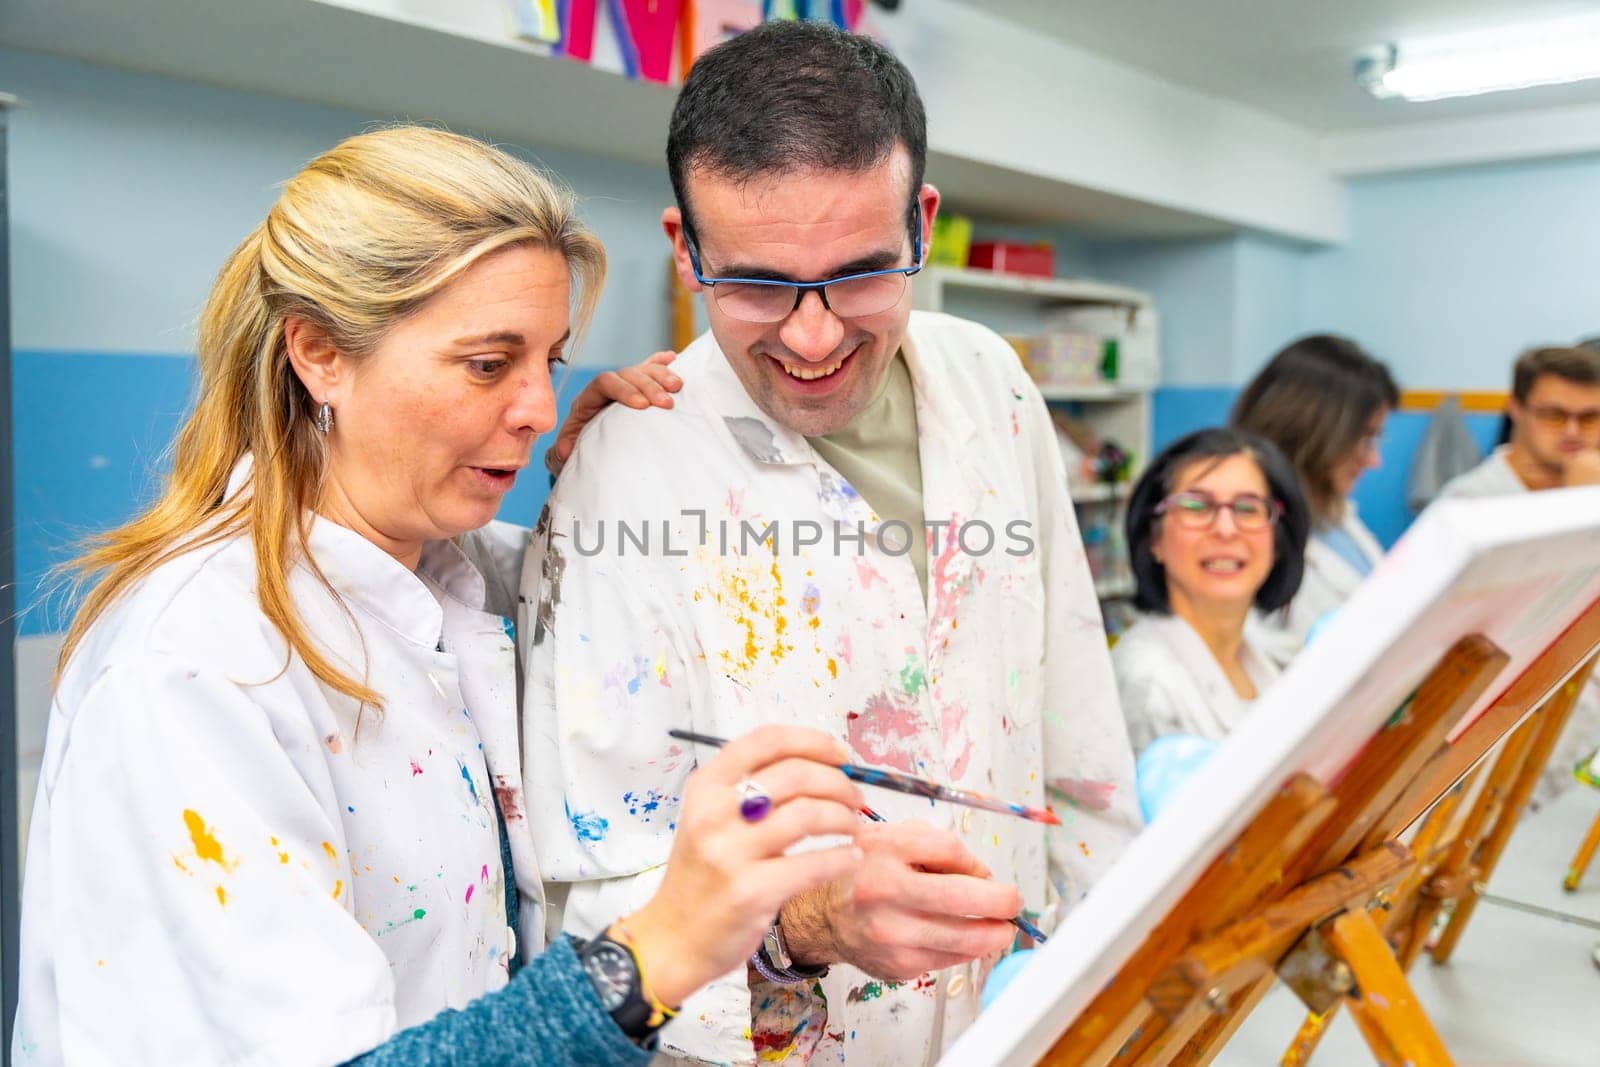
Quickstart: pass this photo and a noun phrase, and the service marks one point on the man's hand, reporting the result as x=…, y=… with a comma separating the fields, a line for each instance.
x=1582, y=469
x=643, y=385
x=919, y=902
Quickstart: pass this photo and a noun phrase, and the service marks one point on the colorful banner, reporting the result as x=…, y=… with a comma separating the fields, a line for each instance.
x=658, y=40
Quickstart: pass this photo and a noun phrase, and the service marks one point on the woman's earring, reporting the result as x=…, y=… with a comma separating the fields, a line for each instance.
x=325, y=417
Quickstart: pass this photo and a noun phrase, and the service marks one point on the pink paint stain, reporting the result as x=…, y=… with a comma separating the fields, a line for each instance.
x=844, y=649
x=886, y=732
x=335, y=743
x=866, y=574
x=469, y=892
x=945, y=577
x=953, y=731
x=416, y=768
x=1084, y=793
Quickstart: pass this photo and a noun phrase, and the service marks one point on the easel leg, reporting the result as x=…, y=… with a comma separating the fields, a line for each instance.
x=1580, y=862
x=1555, y=713
x=1383, y=1006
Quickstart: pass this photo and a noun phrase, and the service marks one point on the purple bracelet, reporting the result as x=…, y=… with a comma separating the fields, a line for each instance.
x=773, y=973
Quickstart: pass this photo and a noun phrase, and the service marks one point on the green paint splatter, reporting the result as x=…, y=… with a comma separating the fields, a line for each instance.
x=911, y=677
x=419, y=913
x=870, y=991
x=1011, y=678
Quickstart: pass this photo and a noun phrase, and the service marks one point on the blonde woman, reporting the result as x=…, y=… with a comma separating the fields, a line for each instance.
x=280, y=817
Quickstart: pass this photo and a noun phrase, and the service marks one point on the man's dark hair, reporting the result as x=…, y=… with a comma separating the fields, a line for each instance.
x=793, y=95
x=1580, y=363
x=1156, y=484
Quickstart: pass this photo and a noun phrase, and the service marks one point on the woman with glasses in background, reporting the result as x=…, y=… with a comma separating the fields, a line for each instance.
x=1323, y=402
x=1216, y=526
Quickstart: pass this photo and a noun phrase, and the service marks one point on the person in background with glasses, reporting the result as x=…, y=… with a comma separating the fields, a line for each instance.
x=858, y=521
x=1554, y=412
x=1216, y=525
x=1323, y=402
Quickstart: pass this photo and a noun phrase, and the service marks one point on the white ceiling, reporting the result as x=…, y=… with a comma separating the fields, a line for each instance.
x=1292, y=58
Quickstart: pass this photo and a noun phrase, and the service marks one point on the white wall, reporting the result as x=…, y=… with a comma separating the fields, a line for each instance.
x=129, y=190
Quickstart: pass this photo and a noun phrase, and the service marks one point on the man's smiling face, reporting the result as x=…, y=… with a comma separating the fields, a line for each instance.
x=814, y=371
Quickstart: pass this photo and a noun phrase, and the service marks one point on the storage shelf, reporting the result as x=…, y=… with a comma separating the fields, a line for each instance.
x=1056, y=290
x=1114, y=588
x=1100, y=493
x=1104, y=391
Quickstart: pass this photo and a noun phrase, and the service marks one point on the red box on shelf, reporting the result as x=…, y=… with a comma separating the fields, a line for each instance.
x=1013, y=257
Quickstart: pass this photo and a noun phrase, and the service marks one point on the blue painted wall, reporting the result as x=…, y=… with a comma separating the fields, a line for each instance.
x=91, y=434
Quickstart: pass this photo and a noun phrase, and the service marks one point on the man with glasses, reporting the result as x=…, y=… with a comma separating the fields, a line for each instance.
x=854, y=517
x=1554, y=414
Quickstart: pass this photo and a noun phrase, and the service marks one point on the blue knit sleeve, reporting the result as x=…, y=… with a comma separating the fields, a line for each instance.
x=548, y=1015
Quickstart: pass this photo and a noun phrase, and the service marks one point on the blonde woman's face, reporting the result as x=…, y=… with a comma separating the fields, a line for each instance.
x=433, y=427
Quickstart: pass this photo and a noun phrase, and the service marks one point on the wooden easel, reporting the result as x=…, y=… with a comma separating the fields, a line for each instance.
x=1454, y=856
x=1295, y=894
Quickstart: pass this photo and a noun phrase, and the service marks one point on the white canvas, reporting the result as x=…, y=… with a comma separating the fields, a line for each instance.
x=1518, y=570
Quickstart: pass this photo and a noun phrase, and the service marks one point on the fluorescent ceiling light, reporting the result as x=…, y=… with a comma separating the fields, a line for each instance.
x=1468, y=64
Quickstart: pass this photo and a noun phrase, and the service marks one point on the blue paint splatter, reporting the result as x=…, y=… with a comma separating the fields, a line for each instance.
x=509, y=627
x=644, y=805
x=472, y=787
x=588, y=825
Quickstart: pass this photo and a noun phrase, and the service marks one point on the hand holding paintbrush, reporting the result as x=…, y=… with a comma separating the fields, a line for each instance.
x=920, y=787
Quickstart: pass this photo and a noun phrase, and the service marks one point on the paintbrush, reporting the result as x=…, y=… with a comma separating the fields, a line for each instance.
x=918, y=787
x=905, y=783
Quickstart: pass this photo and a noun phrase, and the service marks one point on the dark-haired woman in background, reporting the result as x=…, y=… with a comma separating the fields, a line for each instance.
x=1323, y=402
x=1215, y=526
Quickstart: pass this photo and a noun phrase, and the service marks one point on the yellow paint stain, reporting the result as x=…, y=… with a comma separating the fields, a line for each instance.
x=396, y=879
x=99, y=963
x=757, y=613
x=338, y=887
x=176, y=862
x=816, y=622
x=1083, y=846
x=222, y=897
x=833, y=668
x=332, y=855
x=996, y=840
x=206, y=845
x=776, y=1055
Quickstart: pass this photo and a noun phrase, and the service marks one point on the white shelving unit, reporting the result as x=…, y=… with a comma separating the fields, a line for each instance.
x=1118, y=411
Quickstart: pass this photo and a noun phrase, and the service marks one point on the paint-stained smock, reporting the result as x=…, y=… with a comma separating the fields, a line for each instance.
x=222, y=867
x=1170, y=683
x=999, y=680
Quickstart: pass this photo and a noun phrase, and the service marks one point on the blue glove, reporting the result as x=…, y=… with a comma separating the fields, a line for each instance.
x=1164, y=766
x=1004, y=971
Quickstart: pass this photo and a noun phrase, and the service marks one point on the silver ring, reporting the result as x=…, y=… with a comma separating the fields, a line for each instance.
x=755, y=803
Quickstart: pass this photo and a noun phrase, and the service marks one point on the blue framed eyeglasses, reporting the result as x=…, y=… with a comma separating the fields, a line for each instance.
x=769, y=300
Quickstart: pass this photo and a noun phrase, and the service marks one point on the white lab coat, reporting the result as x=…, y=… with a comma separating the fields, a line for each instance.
x=998, y=681
x=222, y=868
x=1170, y=683
x=1494, y=477
x=1328, y=582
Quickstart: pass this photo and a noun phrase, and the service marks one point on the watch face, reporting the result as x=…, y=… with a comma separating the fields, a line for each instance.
x=610, y=969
